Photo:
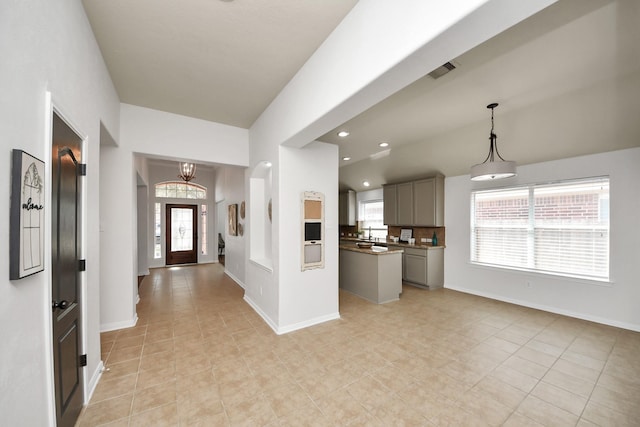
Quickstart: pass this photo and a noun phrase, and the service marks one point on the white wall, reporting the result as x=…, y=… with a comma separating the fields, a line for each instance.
x=614, y=303
x=118, y=239
x=321, y=96
x=231, y=184
x=142, y=224
x=221, y=220
x=311, y=296
x=380, y=47
x=47, y=46
x=142, y=215
x=151, y=133
x=157, y=133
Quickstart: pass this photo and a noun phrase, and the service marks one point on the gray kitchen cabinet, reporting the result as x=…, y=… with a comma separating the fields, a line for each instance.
x=347, y=208
x=422, y=267
x=428, y=202
x=389, y=195
x=415, y=268
x=405, y=203
x=415, y=203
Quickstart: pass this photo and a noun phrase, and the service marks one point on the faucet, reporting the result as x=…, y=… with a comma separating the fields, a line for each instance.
x=370, y=233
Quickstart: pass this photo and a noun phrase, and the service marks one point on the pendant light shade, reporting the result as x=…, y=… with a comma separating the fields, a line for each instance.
x=494, y=166
x=187, y=171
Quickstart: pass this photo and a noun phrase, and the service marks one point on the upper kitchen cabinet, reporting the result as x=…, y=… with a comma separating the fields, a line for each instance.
x=347, y=208
x=415, y=203
x=390, y=197
x=428, y=205
x=405, y=203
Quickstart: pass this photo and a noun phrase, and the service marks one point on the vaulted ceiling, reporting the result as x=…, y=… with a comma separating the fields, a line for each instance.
x=225, y=61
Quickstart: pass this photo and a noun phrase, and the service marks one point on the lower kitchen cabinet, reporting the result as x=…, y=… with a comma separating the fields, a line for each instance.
x=423, y=267
x=415, y=268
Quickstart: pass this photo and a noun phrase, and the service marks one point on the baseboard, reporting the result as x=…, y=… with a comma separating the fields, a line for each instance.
x=93, y=382
x=261, y=313
x=307, y=323
x=106, y=327
x=555, y=310
x=289, y=328
x=234, y=278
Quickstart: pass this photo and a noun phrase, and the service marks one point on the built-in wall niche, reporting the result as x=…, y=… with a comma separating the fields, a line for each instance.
x=313, y=236
x=259, y=212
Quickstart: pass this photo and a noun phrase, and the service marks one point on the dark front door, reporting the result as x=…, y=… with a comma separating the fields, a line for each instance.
x=66, y=312
x=182, y=234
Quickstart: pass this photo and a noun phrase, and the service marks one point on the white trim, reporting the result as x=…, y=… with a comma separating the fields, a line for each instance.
x=49, y=368
x=234, y=278
x=293, y=327
x=52, y=107
x=596, y=319
x=263, y=263
x=307, y=323
x=107, y=327
x=262, y=314
x=93, y=382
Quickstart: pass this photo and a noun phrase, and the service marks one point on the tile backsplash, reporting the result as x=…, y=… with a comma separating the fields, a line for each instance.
x=418, y=232
x=421, y=233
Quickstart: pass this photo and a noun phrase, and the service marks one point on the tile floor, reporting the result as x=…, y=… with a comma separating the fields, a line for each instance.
x=200, y=356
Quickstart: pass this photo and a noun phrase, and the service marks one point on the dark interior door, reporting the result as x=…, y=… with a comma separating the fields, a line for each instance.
x=182, y=234
x=65, y=273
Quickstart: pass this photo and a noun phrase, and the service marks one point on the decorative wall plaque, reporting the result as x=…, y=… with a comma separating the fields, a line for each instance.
x=27, y=216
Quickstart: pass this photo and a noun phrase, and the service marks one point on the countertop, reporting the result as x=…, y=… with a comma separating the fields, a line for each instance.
x=383, y=251
x=389, y=242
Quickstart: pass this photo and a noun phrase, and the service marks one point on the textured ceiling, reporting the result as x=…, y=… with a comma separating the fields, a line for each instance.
x=226, y=61
x=215, y=60
x=568, y=47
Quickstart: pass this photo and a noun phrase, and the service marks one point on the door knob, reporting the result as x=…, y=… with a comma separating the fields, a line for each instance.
x=61, y=305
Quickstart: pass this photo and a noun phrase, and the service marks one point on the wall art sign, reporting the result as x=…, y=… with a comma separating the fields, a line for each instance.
x=27, y=216
x=233, y=219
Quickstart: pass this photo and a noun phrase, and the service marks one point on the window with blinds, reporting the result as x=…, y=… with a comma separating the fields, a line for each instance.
x=371, y=214
x=560, y=228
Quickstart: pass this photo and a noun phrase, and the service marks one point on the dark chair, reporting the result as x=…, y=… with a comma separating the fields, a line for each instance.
x=220, y=244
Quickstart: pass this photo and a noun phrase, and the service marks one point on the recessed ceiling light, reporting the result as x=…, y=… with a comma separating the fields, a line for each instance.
x=343, y=133
x=384, y=144
x=366, y=183
x=346, y=158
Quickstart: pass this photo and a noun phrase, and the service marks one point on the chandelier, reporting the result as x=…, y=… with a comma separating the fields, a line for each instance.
x=187, y=171
x=492, y=167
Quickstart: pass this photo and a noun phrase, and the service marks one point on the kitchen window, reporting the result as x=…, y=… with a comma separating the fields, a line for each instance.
x=560, y=228
x=371, y=214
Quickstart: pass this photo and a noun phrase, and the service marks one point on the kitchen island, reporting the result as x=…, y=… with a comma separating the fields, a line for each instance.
x=374, y=274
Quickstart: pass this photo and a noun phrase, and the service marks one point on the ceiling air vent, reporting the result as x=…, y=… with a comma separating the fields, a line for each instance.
x=442, y=70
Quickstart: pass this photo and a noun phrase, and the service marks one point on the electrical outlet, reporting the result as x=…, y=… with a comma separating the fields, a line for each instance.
x=528, y=284
x=423, y=240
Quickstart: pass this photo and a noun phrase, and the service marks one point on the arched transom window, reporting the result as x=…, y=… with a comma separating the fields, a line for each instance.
x=180, y=190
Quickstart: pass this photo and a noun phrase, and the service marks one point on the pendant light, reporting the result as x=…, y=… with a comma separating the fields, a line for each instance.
x=492, y=167
x=187, y=171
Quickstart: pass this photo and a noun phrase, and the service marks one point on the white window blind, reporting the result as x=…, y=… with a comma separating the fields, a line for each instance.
x=371, y=213
x=560, y=228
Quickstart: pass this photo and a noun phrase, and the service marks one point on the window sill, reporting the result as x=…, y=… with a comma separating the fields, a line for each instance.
x=536, y=273
x=263, y=263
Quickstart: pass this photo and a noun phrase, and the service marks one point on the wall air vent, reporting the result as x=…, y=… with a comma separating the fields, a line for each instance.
x=442, y=70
